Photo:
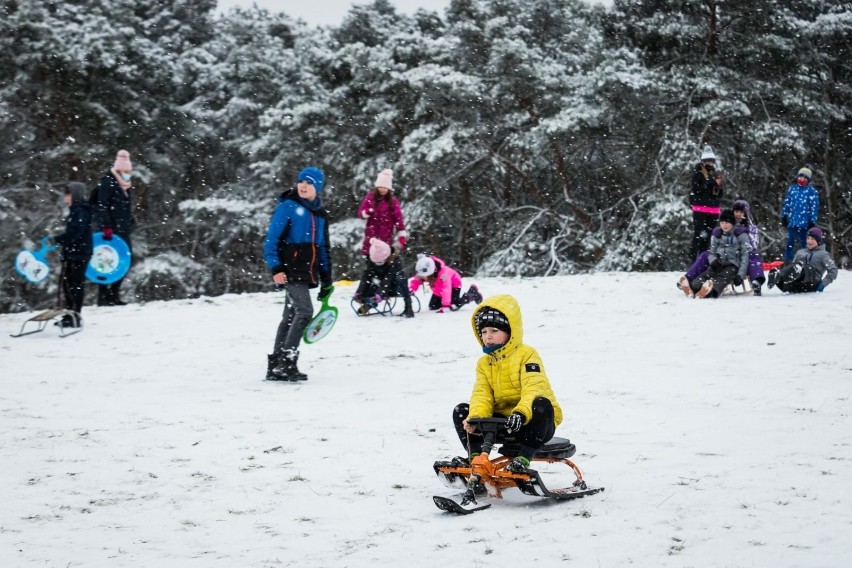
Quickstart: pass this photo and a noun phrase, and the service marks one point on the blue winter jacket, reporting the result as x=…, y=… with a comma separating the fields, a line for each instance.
x=801, y=206
x=297, y=242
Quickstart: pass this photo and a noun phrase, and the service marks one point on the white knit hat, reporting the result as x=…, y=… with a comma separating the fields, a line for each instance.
x=425, y=265
x=708, y=154
x=385, y=179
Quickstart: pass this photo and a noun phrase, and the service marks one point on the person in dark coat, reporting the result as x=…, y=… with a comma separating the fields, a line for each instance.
x=705, y=199
x=114, y=216
x=298, y=254
x=383, y=277
x=76, y=243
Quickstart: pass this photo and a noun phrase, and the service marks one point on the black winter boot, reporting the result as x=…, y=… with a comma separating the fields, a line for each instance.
x=474, y=295
x=409, y=311
x=275, y=370
x=290, y=357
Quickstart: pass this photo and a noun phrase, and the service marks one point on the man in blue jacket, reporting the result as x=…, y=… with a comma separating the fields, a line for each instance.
x=799, y=212
x=297, y=253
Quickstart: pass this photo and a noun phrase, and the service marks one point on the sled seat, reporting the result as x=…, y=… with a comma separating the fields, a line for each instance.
x=555, y=448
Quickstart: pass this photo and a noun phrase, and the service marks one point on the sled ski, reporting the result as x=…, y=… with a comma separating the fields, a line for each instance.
x=41, y=320
x=450, y=506
x=484, y=474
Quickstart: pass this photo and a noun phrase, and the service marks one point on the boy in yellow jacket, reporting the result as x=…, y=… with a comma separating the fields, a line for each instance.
x=510, y=383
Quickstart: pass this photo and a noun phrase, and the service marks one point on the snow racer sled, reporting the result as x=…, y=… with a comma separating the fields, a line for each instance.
x=485, y=475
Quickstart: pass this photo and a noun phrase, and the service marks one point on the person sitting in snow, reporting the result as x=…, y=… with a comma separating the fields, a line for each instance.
x=744, y=223
x=510, y=383
x=812, y=268
x=382, y=279
x=296, y=250
x=728, y=260
x=446, y=284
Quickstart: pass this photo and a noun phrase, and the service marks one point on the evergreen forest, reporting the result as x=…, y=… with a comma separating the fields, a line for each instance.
x=527, y=137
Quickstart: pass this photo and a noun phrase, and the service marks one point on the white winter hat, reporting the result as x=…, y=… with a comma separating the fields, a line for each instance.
x=708, y=154
x=385, y=179
x=425, y=265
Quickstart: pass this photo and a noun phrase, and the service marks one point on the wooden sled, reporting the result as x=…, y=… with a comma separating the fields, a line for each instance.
x=41, y=320
x=745, y=288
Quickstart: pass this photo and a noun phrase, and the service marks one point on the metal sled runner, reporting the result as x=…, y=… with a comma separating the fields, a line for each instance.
x=39, y=322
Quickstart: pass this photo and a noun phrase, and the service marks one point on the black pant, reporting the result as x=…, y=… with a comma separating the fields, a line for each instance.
x=702, y=227
x=110, y=294
x=798, y=278
x=456, y=301
x=73, y=283
x=533, y=435
x=721, y=278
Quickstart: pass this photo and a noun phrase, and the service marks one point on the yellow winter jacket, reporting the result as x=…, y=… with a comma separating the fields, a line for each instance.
x=509, y=379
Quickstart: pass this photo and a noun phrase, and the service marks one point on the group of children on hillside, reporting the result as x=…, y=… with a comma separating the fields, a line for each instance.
x=733, y=254
x=297, y=252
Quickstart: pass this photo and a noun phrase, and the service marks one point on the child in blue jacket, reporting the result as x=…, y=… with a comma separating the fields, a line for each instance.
x=799, y=212
x=297, y=252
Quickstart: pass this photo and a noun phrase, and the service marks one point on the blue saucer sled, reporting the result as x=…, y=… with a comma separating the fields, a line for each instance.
x=32, y=265
x=110, y=259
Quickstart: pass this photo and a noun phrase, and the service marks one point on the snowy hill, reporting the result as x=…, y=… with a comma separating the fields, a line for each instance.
x=721, y=429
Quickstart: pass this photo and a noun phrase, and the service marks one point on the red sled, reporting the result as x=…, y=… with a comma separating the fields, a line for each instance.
x=767, y=266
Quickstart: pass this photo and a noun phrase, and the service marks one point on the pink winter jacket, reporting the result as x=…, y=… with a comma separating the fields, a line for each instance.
x=445, y=280
x=382, y=221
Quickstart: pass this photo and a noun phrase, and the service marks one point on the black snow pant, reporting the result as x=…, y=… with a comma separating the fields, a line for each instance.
x=73, y=284
x=110, y=294
x=721, y=277
x=458, y=300
x=798, y=278
x=702, y=227
x=533, y=435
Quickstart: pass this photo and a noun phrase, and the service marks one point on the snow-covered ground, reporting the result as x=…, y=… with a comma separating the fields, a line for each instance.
x=721, y=430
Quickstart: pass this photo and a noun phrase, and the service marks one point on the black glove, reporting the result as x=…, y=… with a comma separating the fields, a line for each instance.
x=717, y=264
x=785, y=221
x=738, y=280
x=811, y=225
x=325, y=292
x=514, y=422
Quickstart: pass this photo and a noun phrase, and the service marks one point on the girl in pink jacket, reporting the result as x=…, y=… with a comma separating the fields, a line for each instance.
x=445, y=283
x=383, y=214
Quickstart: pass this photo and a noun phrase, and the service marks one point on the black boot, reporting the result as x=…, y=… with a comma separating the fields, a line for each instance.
x=275, y=368
x=290, y=357
x=282, y=367
x=473, y=294
x=409, y=311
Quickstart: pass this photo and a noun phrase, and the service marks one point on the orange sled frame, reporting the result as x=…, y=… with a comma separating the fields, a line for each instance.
x=493, y=475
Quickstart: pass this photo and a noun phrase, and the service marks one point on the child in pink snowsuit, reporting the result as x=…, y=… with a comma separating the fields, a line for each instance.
x=445, y=283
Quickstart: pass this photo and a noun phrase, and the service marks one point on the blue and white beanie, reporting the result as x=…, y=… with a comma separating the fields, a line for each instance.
x=313, y=176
